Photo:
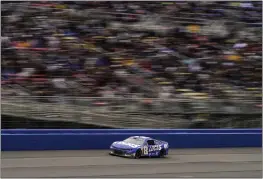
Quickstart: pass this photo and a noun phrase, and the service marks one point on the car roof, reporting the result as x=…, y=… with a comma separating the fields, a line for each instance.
x=141, y=137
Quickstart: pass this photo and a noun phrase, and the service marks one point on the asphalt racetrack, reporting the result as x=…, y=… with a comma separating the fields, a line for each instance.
x=246, y=163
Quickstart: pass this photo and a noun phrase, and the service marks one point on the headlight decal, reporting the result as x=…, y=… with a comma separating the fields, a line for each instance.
x=165, y=146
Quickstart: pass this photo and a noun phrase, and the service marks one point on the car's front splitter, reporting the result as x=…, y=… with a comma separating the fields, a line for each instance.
x=122, y=155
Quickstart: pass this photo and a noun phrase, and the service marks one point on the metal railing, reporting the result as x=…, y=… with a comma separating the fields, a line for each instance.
x=121, y=112
x=143, y=105
x=81, y=114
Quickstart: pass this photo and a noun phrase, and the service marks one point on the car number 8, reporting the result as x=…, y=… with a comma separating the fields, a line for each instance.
x=145, y=150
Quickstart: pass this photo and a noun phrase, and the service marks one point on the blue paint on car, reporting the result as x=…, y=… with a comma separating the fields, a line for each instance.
x=140, y=146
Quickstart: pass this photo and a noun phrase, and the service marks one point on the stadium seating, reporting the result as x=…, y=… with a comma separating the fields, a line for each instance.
x=195, y=51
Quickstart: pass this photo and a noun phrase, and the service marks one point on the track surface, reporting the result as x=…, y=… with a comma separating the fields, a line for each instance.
x=180, y=163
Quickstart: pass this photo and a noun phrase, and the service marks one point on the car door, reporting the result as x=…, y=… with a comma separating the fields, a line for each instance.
x=153, y=149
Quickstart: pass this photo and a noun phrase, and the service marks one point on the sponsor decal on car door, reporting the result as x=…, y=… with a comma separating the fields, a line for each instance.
x=151, y=150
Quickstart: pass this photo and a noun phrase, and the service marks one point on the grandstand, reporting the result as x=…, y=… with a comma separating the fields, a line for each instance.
x=133, y=64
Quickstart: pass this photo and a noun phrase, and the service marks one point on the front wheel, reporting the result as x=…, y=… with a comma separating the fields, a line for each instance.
x=162, y=153
x=138, y=154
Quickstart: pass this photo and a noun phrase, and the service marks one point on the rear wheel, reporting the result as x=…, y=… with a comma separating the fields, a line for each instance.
x=138, y=154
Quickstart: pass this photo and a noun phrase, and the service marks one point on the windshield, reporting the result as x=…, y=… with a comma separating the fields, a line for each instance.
x=136, y=141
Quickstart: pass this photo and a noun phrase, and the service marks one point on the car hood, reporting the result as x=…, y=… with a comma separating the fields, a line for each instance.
x=124, y=145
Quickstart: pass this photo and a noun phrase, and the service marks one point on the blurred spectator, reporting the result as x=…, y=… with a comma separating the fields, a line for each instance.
x=154, y=49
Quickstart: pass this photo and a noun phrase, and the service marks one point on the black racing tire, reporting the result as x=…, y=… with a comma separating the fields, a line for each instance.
x=138, y=154
x=162, y=153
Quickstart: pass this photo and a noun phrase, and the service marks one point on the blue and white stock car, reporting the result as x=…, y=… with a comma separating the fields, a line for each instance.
x=139, y=146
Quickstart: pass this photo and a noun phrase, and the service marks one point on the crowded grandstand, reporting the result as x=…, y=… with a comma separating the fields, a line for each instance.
x=177, y=57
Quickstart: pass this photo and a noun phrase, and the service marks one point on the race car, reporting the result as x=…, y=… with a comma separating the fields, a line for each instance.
x=139, y=146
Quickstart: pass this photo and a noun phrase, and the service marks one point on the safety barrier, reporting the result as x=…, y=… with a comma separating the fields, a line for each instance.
x=84, y=139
